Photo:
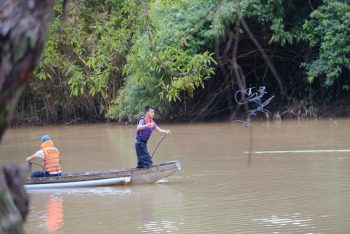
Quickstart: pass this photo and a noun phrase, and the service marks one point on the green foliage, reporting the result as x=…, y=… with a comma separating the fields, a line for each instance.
x=160, y=59
x=120, y=55
x=174, y=69
x=173, y=48
x=132, y=99
x=166, y=43
x=88, y=50
x=327, y=32
x=83, y=57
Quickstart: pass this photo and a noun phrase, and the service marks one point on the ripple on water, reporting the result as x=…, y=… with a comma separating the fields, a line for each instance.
x=286, y=221
x=160, y=226
x=100, y=191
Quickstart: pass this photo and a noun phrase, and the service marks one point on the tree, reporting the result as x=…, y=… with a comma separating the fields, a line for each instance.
x=327, y=33
x=23, y=26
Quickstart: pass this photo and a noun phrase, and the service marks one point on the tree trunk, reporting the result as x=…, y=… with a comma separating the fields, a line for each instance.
x=13, y=199
x=23, y=28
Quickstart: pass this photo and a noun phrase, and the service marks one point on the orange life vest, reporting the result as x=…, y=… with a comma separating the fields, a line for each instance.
x=52, y=156
x=147, y=120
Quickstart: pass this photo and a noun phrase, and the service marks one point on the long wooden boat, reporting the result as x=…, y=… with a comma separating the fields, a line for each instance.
x=106, y=177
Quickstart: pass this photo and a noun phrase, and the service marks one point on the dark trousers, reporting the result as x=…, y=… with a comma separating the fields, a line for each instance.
x=144, y=160
x=43, y=174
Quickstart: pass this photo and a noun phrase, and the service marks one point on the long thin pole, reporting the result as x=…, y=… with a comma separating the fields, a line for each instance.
x=159, y=144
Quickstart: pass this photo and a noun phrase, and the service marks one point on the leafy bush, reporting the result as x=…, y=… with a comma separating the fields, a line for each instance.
x=327, y=33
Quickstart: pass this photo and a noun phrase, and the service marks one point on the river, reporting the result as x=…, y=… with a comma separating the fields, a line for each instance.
x=295, y=180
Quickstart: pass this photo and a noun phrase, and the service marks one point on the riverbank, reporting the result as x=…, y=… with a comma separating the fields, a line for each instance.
x=298, y=109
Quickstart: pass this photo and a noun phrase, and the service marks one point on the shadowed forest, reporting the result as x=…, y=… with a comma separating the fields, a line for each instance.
x=105, y=60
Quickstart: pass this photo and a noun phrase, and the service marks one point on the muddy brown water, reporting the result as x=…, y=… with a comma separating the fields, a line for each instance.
x=297, y=180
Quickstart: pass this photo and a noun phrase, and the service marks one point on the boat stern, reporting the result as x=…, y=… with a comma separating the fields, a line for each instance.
x=155, y=173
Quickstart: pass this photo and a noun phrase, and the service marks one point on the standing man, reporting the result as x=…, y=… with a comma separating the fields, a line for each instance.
x=145, y=127
x=51, y=157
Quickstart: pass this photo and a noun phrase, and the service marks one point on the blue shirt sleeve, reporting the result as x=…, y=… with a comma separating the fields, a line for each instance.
x=142, y=122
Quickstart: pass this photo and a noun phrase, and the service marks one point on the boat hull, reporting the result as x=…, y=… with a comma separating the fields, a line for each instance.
x=106, y=178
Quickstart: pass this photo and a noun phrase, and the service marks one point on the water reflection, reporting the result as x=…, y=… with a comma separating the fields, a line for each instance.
x=152, y=216
x=155, y=208
x=48, y=214
x=93, y=191
x=54, y=219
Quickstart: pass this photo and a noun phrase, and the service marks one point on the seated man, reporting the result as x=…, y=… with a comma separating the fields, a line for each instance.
x=51, y=157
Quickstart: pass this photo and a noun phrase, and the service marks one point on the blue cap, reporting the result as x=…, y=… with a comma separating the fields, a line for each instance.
x=45, y=138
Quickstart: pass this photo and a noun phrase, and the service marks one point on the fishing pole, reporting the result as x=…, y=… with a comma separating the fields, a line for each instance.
x=159, y=144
